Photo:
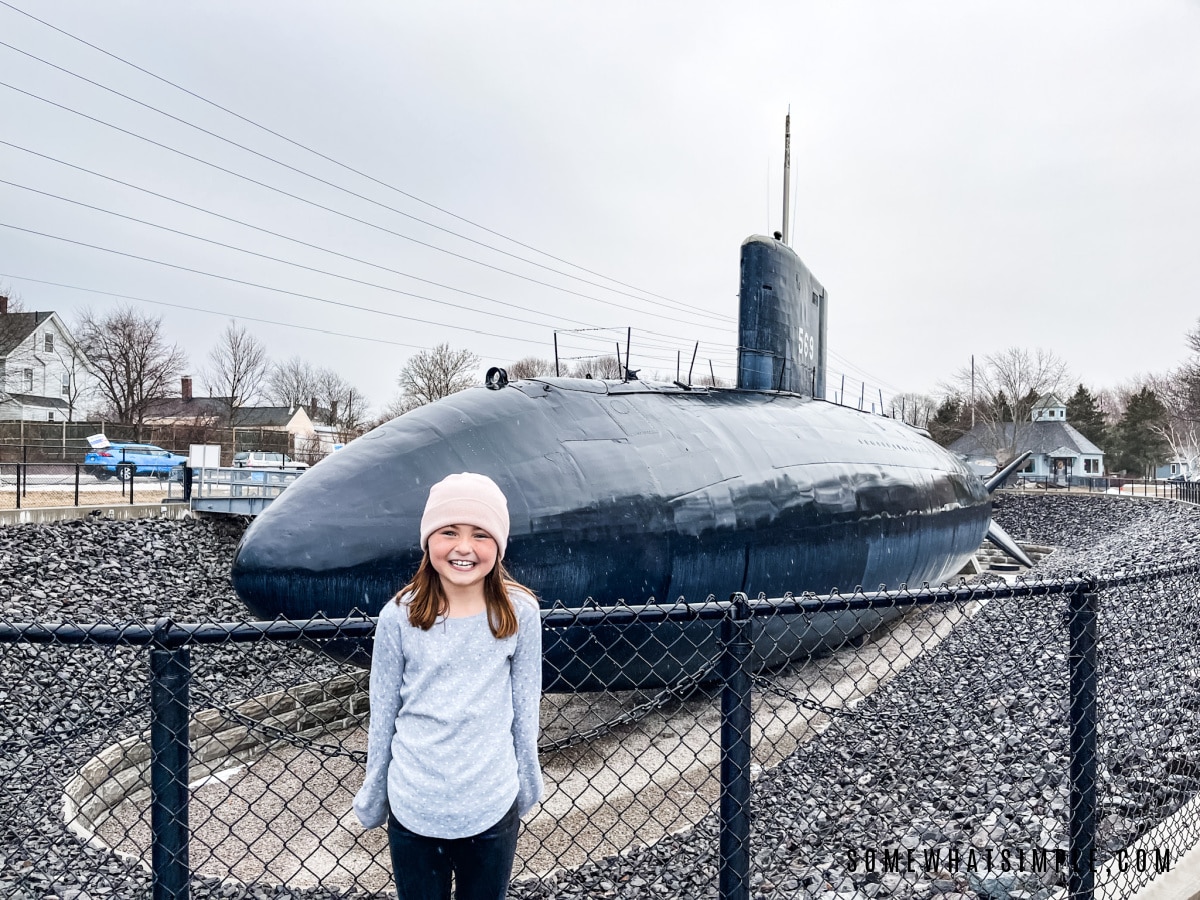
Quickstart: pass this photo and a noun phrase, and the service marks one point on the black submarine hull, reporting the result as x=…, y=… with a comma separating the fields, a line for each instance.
x=631, y=492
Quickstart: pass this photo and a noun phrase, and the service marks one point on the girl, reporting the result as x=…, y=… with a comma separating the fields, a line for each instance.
x=456, y=682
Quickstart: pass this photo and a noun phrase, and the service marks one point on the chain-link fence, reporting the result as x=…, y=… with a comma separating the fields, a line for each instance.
x=1024, y=741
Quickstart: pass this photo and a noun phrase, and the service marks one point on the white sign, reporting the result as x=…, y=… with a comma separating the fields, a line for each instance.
x=204, y=456
x=98, y=441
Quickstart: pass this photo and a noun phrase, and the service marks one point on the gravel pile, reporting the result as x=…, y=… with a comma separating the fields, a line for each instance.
x=965, y=749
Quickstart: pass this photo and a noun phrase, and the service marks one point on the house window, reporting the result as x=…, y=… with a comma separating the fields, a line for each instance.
x=50, y=416
x=1091, y=466
x=28, y=374
x=49, y=342
x=66, y=384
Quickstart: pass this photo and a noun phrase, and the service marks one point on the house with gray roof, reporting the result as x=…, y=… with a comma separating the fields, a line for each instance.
x=1059, y=451
x=44, y=374
x=188, y=409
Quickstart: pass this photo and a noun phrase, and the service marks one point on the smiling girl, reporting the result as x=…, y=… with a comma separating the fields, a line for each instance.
x=456, y=676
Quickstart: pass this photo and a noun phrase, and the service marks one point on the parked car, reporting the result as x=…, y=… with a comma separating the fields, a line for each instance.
x=264, y=459
x=127, y=460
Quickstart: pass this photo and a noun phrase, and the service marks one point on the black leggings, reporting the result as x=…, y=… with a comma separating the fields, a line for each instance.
x=482, y=864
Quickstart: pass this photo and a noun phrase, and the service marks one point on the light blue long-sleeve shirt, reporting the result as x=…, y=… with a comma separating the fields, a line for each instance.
x=454, y=722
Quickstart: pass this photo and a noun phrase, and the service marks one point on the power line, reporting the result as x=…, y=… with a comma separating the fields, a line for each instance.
x=345, y=190
x=254, y=284
x=342, y=188
x=240, y=316
x=313, y=269
x=876, y=379
x=340, y=303
x=317, y=153
x=276, y=234
x=344, y=215
x=213, y=312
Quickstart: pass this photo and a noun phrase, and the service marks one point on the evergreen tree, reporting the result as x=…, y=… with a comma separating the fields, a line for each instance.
x=1138, y=437
x=1003, y=408
x=951, y=421
x=1085, y=416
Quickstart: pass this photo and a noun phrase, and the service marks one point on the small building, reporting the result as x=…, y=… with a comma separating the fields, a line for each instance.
x=188, y=409
x=1060, y=452
x=44, y=374
x=1175, y=468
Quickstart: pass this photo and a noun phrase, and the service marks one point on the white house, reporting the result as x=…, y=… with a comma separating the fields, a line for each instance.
x=44, y=374
x=1060, y=452
x=1049, y=409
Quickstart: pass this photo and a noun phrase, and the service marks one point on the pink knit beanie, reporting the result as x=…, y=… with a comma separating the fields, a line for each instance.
x=466, y=499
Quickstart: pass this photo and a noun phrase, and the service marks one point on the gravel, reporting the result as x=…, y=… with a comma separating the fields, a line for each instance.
x=964, y=749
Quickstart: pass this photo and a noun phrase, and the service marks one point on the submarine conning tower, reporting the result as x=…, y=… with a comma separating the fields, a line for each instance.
x=781, y=321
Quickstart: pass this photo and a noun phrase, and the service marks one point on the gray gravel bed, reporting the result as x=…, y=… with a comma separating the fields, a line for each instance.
x=965, y=748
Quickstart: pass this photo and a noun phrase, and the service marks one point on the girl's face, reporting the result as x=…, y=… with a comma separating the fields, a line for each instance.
x=462, y=555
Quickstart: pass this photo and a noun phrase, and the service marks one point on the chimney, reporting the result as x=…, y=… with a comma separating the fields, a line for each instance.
x=312, y=409
x=332, y=412
x=3, y=304
x=185, y=387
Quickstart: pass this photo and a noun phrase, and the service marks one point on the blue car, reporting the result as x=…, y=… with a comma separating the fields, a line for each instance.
x=127, y=460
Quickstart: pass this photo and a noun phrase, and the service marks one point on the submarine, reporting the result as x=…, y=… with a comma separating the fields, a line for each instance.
x=641, y=492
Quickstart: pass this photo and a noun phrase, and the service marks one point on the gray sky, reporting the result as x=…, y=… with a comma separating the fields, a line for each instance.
x=968, y=177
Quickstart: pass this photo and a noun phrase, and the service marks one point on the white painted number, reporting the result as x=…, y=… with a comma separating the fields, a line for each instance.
x=808, y=346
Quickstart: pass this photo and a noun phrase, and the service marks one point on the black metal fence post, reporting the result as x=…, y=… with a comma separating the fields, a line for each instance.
x=18, y=483
x=76, y=484
x=1082, y=612
x=170, y=675
x=734, y=883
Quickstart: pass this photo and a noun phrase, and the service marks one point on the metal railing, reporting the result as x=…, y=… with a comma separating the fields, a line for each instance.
x=992, y=739
x=241, y=491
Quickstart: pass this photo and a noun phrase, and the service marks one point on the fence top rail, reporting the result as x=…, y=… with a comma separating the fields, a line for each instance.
x=168, y=633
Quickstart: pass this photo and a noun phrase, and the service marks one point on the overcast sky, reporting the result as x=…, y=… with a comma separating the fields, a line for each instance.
x=968, y=177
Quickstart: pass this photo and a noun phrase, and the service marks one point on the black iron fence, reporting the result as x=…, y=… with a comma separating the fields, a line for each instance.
x=1034, y=740
x=68, y=441
x=1172, y=489
x=35, y=485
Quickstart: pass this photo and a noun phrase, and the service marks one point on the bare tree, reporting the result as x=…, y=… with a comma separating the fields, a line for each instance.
x=346, y=407
x=292, y=382
x=76, y=384
x=10, y=300
x=433, y=374
x=1007, y=384
x=1179, y=392
x=530, y=367
x=598, y=367
x=708, y=378
x=1181, y=427
x=915, y=409
x=133, y=361
x=236, y=368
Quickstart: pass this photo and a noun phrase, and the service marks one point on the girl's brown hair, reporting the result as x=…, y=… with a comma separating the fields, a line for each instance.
x=427, y=601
